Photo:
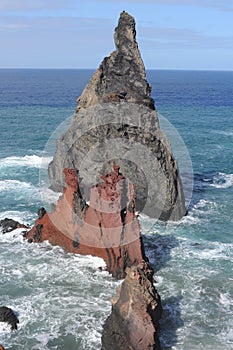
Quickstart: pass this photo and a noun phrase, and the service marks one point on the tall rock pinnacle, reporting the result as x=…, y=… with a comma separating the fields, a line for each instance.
x=122, y=74
x=116, y=121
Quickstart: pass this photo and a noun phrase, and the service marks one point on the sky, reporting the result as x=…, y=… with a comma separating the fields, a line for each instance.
x=171, y=34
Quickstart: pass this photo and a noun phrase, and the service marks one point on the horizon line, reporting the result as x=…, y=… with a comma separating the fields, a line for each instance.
x=147, y=69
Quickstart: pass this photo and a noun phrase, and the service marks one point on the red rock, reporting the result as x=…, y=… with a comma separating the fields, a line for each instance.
x=136, y=311
x=107, y=228
x=1, y=347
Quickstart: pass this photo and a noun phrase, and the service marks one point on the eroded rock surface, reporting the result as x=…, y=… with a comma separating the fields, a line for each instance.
x=116, y=121
x=108, y=227
x=136, y=311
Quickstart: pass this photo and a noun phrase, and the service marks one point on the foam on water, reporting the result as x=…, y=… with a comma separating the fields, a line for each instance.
x=194, y=280
x=22, y=216
x=29, y=161
x=15, y=185
x=61, y=299
x=223, y=132
x=223, y=180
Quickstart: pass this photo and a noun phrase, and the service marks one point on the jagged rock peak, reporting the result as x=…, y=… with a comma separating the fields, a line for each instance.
x=121, y=76
x=125, y=33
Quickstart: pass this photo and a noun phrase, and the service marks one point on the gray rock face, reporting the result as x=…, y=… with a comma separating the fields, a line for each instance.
x=116, y=122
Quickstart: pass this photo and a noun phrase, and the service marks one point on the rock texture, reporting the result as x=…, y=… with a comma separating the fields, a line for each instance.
x=8, y=315
x=116, y=122
x=122, y=75
x=8, y=225
x=108, y=227
x=136, y=310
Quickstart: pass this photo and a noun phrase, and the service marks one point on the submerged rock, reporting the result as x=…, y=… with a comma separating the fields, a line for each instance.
x=136, y=311
x=8, y=315
x=116, y=122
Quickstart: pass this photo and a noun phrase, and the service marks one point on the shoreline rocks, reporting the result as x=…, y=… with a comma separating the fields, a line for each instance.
x=8, y=225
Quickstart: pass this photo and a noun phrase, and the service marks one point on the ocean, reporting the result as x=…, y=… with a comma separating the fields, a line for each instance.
x=62, y=299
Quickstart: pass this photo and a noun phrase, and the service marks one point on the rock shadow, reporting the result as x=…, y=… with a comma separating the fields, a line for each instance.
x=170, y=322
x=158, y=249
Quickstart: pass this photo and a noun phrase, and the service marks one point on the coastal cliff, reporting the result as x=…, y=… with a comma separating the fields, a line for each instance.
x=116, y=121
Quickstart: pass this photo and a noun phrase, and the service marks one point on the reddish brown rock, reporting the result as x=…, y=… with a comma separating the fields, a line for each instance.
x=136, y=310
x=1, y=347
x=108, y=227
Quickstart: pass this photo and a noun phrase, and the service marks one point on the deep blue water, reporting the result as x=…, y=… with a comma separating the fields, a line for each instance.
x=192, y=258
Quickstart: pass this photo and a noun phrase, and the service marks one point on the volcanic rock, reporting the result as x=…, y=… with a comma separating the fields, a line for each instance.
x=108, y=227
x=7, y=315
x=116, y=122
x=8, y=225
x=136, y=310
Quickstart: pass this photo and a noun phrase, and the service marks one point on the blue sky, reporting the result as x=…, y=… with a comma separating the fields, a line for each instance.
x=172, y=34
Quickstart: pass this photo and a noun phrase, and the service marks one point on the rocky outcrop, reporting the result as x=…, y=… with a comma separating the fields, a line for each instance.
x=107, y=227
x=8, y=315
x=8, y=225
x=121, y=76
x=116, y=122
x=1, y=347
x=136, y=310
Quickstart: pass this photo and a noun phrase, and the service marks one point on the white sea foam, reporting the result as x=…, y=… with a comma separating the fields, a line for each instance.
x=9, y=185
x=15, y=235
x=69, y=297
x=48, y=195
x=226, y=300
x=29, y=161
x=223, y=180
x=22, y=216
x=222, y=132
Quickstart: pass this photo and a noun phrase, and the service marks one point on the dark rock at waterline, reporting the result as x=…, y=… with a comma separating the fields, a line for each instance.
x=41, y=212
x=8, y=225
x=8, y=315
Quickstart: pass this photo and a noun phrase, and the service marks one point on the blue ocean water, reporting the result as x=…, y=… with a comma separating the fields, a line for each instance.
x=62, y=300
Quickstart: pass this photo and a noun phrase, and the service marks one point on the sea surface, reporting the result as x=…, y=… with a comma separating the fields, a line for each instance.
x=62, y=299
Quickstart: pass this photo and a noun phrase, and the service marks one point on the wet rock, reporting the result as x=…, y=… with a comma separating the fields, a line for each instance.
x=8, y=225
x=8, y=315
x=41, y=212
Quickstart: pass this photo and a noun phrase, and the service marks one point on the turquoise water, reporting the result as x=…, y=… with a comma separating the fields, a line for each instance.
x=62, y=300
